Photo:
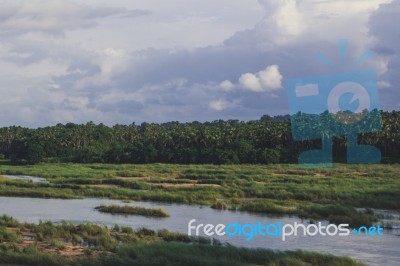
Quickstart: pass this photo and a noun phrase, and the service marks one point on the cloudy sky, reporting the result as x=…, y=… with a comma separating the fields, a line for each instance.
x=181, y=60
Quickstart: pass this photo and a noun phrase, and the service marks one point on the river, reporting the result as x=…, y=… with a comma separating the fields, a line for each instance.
x=379, y=250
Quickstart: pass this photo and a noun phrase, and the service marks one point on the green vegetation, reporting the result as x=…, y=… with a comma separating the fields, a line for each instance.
x=339, y=214
x=331, y=194
x=115, y=209
x=89, y=244
x=162, y=253
x=268, y=140
x=235, y=165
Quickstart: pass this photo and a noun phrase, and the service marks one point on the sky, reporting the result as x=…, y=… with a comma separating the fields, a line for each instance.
x=124, y=61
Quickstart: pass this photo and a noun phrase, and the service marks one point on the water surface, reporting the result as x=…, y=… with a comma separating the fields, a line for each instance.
x=382, y=250
x=34, y=179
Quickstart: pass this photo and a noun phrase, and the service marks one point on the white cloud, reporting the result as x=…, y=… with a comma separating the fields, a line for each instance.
x=114, y=60
x=289, y=19
x=309, y=21
x=218, y=105
x=226, y=85
x=269, y=79
x=183, y=63
x=251, y=82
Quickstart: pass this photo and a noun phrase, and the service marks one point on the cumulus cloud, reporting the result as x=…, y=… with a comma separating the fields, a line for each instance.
x=218, y=105
x=226, y=85
x=284, y=16
x=305, y=22
x=201, y=63
x=251, y=82
x=269, y=79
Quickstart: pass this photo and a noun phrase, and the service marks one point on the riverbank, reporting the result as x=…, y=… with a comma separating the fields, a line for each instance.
x=380, y=250
x=89, y=244
x=331, y=194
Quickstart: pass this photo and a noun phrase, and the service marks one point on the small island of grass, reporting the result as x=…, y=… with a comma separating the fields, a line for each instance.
x=115, y=209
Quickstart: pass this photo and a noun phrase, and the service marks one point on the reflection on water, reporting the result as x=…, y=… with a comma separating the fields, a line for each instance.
x=371, y=250
x=388, y=218
x=33, y=179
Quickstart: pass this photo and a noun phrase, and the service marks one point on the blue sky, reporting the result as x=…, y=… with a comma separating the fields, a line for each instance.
x=180, y=60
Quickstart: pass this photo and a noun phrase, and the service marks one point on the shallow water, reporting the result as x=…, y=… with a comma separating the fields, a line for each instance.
x=382, y=250
x=34, y=179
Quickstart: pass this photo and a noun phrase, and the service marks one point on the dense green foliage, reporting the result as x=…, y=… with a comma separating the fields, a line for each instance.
x=123, y=246
x=115, y=209
x=268, y=140
x=268, y=189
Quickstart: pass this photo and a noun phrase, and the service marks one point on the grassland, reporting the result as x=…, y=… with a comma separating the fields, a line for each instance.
x=149, y=212
x=90, y=244
x=331, y=194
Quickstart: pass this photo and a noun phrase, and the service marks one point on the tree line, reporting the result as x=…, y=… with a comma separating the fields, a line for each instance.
x=267, y=140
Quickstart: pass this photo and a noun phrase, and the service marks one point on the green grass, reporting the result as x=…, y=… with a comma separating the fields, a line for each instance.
x=115, y=209
x=120, y=246
x=339, y=215
x=260, y=206
x=161, y=253
x=177, y=254
x=269, y=189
